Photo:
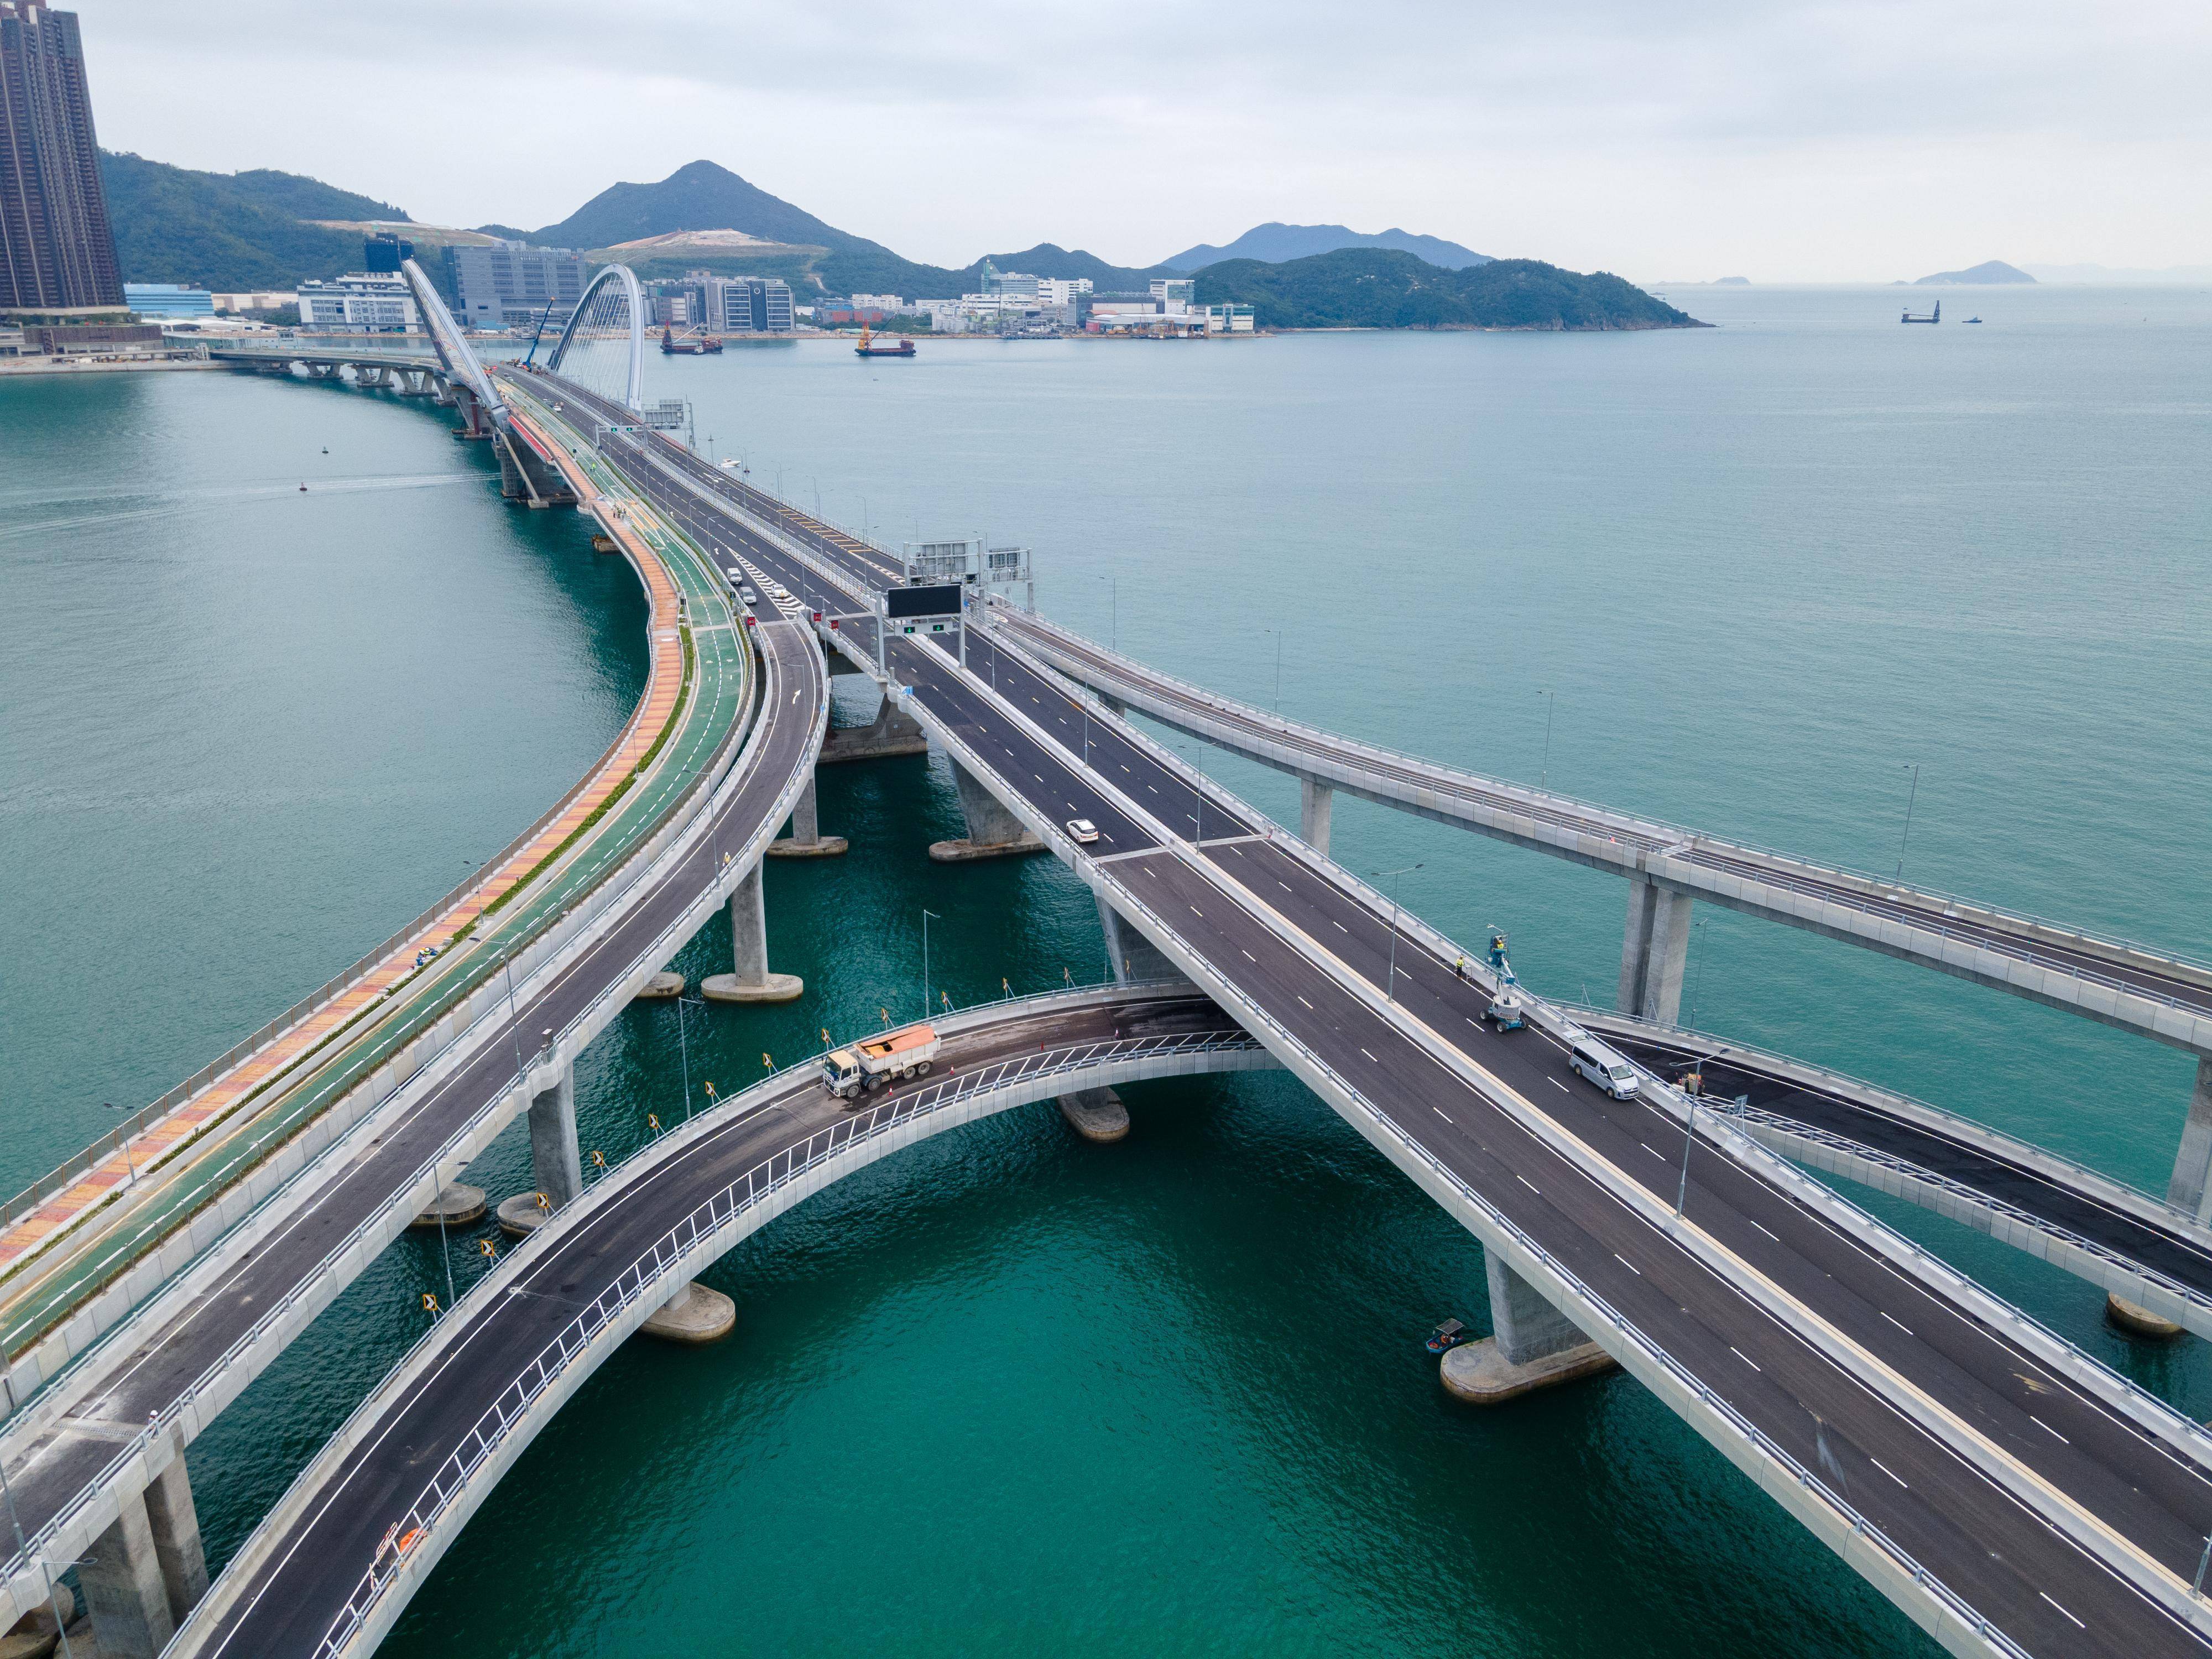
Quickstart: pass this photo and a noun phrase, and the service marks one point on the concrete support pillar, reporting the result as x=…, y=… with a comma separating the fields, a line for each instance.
x=2191, y=1189
x=124, y=1589
x=1097, y=1115
x=175, y=1524
x=1532, y=1345
x=1655, y=950
x=695, y=1316
x=1315, y=798
x=557, y=1162
x=807, y=840
x=893, y=731
x=751, y=982
x=1132, y=956
x=1114, y=705
x=993, y=831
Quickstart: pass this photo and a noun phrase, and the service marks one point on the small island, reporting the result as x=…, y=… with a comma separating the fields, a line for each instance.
x=1989, y=271
x=1379, y=288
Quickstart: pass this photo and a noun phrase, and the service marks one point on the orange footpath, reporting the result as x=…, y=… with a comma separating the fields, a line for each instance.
x=234, y=1086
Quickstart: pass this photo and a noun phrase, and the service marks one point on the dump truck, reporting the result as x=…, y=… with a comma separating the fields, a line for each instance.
x=892, y=1058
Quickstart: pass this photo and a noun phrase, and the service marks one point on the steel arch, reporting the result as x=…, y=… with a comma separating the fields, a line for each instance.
x=635, y=397
x=453, y=348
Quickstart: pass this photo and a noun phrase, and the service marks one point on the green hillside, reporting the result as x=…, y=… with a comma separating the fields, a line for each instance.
x=227, y=231
x=1377, y=288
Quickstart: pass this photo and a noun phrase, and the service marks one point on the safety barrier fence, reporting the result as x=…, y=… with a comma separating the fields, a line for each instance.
x=717, y=1215
x=107, y=1146
x=665, y=842
x=1567, y=811
x=1626, y=1334
x=431, y=1169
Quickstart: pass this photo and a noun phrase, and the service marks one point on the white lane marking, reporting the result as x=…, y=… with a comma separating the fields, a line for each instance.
x=1309, y=1006
x=1555, y=1083
x=1888, y=1470
x=1900, y=1323
x=1626, y=1263
x=2078, y=1624
x=1341, y=928
x=1370, y=1056
x=2048, y=1429
x=1646, y=1145
x=1745, y=1357
x=1200, y=913
x=1777, y=1237
x=1285, y=885
x=1530, y=1185
x=1440, y=1112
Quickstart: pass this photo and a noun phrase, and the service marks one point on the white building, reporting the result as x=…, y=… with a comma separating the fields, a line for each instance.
x=885, y=302
x=360, y=302
x=272, y=300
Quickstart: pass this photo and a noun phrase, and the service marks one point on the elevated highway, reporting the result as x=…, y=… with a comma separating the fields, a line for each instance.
x=2008, y=1493
x=232, y=1246
x=2136, y=988
x=423, y=1453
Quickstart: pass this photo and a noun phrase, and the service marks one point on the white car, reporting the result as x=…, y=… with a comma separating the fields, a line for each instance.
x=1082, y=831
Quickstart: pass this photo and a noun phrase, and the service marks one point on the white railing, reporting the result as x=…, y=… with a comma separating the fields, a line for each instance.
x=1571, y=811
x=718, y=1214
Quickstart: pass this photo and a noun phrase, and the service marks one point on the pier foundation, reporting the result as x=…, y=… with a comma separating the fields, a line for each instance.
x=694, y=1316
x=807, y=840
x=1532, y=1346
x=993, y=831
x=1097, y=1115
x=750, y=981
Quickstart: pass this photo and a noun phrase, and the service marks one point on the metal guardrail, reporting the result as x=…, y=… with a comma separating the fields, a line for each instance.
x=99, y=1151
x=1628, y=1333
x=1609, y=819
x=29, y=1551
x=717, y=1214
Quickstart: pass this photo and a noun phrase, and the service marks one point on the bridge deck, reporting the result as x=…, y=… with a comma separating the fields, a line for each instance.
x=1967, y=1444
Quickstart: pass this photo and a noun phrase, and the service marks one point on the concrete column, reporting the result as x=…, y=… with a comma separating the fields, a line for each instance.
x=893, y=731
x=807, y=840
x=1527, y=1326
x=1114, y=705
x=2191, y=1185
x=751, y=982
x=124, y=1589
x=175, y=1524
x=695, y=1316
x=1132, y=955
x=993, y=831
x=1655, y=949
x=557, y=1162
x=1315, y=798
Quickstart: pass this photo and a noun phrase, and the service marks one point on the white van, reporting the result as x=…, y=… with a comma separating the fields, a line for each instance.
x=1602, y=1066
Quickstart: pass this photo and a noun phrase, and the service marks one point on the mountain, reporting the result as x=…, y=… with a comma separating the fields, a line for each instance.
x=1047, y=261
x=1989, y=271
x=1381, y=288
x=228, y=231
x=1274, y=243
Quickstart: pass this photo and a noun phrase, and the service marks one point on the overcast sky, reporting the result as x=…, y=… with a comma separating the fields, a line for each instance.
x=1781, y=141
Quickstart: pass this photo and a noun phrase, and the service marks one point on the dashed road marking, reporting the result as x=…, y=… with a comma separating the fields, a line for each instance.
x=1900, y=1325
x=1888, y=1470
x=2078, y=1624
x=1745, y=1357
x=1626, y=1263
x=1440, y=1112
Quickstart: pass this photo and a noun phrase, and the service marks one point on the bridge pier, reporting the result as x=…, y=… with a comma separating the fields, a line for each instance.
x=557, y=1161
x=807, y=840
x=893, y=731
x=1097, y=1115
x=2191, y=1189
x=1129, y=952
x=1315, y=798
x=694, y=1316
x=993, y=831
x=147, y=1571
x=751, y=982
x=1115, y=706
x=1532, y=1345
x=1654, y=952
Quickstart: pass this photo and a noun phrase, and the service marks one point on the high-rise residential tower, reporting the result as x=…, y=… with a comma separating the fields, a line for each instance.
x=56, y=251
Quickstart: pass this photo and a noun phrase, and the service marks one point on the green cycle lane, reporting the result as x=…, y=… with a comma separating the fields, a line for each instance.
x=718, y=673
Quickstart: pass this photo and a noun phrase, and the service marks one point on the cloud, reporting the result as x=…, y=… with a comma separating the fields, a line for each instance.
x=1794, y=139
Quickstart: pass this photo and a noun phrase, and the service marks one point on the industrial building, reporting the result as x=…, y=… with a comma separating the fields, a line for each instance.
x=57, y=250
x=510, y=284
x=360, y=302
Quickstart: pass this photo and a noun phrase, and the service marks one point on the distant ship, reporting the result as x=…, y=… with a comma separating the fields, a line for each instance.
x=1974, y=320
x=871, y=347
x=691, y=345
x=1935, y=316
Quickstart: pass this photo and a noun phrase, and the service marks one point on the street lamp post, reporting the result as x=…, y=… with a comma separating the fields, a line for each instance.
x=1912, y=796
x=927, y=916
x=1551, y=708
x=1390, y=978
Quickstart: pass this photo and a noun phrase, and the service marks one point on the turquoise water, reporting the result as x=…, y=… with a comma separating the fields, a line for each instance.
x=1011, y=1391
